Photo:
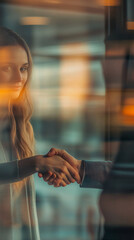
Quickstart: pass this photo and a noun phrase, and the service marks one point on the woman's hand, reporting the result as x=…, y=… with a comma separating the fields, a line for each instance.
x=56, y=166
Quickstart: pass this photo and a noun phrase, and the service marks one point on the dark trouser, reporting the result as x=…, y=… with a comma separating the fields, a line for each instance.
x=118, y=233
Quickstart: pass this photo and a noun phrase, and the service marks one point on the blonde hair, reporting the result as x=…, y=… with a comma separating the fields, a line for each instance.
x=22, y=136
x=20, y=111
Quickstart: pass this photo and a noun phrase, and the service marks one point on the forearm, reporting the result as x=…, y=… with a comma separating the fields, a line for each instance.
x=17, y=170
x=27, y=167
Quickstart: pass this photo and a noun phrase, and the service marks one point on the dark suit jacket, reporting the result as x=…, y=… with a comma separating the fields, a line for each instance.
x=95, y=173
x=113, y=177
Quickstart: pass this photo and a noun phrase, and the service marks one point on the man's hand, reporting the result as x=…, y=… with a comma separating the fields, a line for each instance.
x=53, y=179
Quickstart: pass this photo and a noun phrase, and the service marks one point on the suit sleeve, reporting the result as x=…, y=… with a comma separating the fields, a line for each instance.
x=95, y=173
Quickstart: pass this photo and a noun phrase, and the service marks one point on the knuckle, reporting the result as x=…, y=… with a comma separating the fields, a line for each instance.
x=67, y=182
x=52, y=149
x=63, y=168
x=73, y=180
x=58, y=176
x=63, y=153
x=61, y=175
x=73, y=175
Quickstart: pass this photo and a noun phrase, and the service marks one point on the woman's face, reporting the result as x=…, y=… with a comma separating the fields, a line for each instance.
x=13, y=71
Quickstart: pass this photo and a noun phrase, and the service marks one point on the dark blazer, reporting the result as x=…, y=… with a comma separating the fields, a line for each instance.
x=114, y=177
x=95, y=173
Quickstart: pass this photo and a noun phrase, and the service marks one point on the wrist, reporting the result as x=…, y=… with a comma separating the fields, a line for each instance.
x=40, y=163
x=37, y=163
x=81, y=169
x=27, y=166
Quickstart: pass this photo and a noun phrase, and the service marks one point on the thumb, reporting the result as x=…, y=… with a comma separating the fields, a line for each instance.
x=51, y=152
x=67, y=157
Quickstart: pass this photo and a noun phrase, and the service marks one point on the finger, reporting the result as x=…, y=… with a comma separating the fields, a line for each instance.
x=67, y=171
x=51, y=152
x=53, y=183
x=59, y=178
x=40, y=175
x=59, y=183
x=47, y=175
x=56, y=182
x=50, y=179
x=66, y=177
x=62, y=184
x=49, y=183
x=54, y=175
x=72, y=173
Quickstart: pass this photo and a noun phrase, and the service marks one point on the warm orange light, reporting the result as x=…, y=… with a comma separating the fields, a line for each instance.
x=5, y=91
x=4, y=55
x=34, y=20
x=128, y=110
x=109, y=2
x=130, y=25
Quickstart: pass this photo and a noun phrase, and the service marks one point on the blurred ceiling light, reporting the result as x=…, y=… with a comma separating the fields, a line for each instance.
x=53, y=1
x=34, y=20
x=109, y=2
x=130, y=25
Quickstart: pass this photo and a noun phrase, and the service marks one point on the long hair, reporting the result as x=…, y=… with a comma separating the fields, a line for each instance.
x=20, y=110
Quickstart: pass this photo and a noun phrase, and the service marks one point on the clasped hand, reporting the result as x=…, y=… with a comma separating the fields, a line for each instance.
x=69, y=169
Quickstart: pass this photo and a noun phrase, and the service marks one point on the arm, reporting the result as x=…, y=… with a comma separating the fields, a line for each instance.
x=18, y=170
x=95, y=173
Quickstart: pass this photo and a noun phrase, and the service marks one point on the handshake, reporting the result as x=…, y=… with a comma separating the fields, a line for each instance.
x=61, y=168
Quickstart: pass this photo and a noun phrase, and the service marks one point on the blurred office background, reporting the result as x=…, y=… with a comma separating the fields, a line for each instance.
x=66, y=39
